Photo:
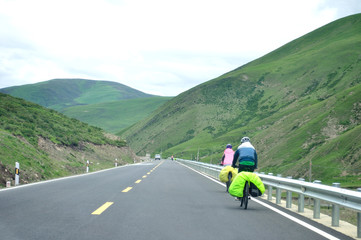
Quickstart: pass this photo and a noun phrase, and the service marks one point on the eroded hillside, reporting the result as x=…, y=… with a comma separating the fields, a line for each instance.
x=49, y=145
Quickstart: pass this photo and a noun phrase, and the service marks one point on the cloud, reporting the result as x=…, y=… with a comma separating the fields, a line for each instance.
x=161, y=47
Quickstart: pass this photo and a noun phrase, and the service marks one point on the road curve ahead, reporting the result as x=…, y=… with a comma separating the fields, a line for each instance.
x=155, y=200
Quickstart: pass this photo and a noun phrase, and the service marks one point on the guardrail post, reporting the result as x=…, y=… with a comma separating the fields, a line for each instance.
x=278, y=192
x=358, y=225
x=17, y=173
x=301, y=199
x=336, y=210
x=289, y=197
x=269, y=197
x=359, y=220
x=317, y=204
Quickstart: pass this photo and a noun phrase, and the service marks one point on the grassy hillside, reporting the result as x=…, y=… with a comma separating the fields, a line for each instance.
x=48, y=144
x=30, y=121
x=115, y=116
x=109, y=105
x=299, y=103
x=58, y=94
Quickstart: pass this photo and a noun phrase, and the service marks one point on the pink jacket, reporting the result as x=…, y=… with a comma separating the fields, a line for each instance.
x=228, y=156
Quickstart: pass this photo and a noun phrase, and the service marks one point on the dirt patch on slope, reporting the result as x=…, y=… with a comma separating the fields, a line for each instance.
x=102, y=156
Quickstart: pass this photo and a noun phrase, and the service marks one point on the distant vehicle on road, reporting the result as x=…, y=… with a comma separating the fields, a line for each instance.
x=157, y=157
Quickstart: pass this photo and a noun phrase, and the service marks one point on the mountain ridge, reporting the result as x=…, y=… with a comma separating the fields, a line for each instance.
x=73, y=91
x=82, y=99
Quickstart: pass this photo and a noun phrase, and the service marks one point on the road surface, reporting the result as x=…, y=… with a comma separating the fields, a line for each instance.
x=154, y=200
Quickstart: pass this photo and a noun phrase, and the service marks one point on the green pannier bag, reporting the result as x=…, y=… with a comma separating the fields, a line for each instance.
x=237, y=185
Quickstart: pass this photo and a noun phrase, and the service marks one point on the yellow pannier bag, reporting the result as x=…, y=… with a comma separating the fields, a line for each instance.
x=223, y=175
x=237, y=185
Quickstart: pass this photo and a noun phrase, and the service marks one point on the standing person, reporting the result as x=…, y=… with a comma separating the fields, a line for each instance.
x=227, y=156
x=246, y=155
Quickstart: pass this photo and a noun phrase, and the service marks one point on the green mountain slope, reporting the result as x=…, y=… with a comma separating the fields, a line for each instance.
x=299, y=103
x=62, y=93
x=109, y=105
x=114, y=116
x=48, y=144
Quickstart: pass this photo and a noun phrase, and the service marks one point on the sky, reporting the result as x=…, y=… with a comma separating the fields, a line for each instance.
x=160, y=47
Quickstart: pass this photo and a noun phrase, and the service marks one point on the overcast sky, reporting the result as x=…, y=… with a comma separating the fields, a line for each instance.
x=161, y=47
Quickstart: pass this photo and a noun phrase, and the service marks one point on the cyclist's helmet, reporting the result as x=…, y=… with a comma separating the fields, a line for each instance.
x=229, y=146
x=245, y=139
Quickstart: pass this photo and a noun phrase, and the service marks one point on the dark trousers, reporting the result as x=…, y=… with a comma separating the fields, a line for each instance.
x=246, y=168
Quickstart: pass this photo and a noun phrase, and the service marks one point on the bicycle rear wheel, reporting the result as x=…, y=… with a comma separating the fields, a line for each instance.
x=244, y=199
x=228, y=183
x=245, y=195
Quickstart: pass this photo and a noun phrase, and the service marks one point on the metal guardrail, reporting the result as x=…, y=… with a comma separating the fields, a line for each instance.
x=332, y=194
x=209, y=169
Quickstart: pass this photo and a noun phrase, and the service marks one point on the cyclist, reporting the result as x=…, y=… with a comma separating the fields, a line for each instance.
x=246, y=155
x=227, y=157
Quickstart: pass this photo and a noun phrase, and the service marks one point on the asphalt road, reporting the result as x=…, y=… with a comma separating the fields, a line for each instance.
x=156, y=200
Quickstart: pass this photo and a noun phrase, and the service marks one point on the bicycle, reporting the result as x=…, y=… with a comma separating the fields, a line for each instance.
x=246, y=189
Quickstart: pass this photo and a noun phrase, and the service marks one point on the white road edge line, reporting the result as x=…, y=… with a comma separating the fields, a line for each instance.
x=63, y=178
x=296, y=220
x=302, y=223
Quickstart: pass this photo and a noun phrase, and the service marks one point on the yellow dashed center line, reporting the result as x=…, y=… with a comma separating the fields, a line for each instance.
x=108, y=204
x=102, y=208
x=127, y=189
